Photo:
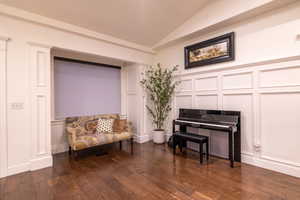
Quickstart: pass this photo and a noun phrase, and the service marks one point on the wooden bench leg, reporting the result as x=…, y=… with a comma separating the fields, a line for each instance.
x=174, y=145
x=201, y=152
x=181, y=145
x=76, y=154
x=131, y=145
x=120, y=145
x=207, y=151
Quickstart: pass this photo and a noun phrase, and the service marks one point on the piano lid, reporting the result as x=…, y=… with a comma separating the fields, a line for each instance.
x=210, y=116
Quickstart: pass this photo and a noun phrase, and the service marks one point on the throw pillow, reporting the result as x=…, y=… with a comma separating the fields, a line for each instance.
x=120, y=125
x=105, y=125
x=91, y=126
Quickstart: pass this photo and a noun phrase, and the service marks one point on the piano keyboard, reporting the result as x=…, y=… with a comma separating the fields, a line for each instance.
x=200, y=123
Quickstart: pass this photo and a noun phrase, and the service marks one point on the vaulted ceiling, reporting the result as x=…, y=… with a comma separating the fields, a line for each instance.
x=144, y=22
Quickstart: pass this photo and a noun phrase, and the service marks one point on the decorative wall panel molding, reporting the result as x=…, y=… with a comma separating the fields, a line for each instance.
x=3, y=107
x=206, y=83
x=186, y=85
x=278, y=119
x=268, y=96
x=40, y=73
x=136, y=102
x=280, y=77
x=207, y=101
x=59, y=139
x=238, y=81
x=244, y=103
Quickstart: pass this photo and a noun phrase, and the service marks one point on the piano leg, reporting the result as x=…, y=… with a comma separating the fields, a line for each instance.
x=230, y=146
x=174, y=145
x=180, y=145
x=207, y=150
x=201, y=152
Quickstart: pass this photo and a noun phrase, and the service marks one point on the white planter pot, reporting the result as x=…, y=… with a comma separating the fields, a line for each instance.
x=158, y=137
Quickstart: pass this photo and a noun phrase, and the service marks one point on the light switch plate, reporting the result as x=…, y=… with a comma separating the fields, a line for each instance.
x=17, y=106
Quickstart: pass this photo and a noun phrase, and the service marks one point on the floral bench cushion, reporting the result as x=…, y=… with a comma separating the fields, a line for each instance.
x=82, y=132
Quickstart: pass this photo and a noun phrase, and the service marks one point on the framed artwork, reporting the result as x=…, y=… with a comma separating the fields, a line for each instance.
x=215, y=50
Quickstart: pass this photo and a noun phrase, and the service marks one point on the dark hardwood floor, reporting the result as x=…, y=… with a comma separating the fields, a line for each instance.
x=151, y=173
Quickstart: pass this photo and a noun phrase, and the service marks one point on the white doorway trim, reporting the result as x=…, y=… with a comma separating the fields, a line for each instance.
x=3, y=107
x=40, y=87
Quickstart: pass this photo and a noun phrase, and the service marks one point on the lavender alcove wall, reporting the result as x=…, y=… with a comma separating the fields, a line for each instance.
x=84, y=89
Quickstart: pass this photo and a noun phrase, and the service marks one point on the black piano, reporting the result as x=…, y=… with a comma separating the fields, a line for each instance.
x=228, y=122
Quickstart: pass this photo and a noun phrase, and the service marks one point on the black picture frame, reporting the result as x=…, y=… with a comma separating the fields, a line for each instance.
x=226, y=55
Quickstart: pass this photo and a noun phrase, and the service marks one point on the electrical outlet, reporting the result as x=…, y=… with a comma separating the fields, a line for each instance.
x=257, y=148
x=17, y=106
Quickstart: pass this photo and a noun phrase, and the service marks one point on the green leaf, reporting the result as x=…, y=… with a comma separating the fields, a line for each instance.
x=159, y=85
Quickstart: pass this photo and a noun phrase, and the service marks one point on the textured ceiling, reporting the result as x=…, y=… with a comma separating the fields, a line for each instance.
x=144, y=22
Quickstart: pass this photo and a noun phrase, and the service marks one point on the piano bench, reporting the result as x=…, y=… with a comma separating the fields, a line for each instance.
x=180, y=138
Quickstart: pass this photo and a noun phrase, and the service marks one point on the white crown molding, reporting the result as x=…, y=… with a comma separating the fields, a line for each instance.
x=3, y=38
x=40, y=45
x=31, y=17
x=237, y=65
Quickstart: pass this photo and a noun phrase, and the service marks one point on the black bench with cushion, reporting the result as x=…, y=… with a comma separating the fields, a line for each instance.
x=180, y=138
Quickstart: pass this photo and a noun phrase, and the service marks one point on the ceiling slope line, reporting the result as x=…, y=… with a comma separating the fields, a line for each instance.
x=62, y=26
x=189, y=29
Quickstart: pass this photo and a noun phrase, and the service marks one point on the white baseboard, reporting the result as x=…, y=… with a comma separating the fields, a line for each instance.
x=41, y=163
x=269, y=164
x=60, y=148
x=148, y=137
x=35, y=164
x=142, y=138
x=272, y=165
x=16, y=169
x=168, y=135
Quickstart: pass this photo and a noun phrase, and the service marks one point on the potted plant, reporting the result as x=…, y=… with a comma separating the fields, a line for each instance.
x=160, y=86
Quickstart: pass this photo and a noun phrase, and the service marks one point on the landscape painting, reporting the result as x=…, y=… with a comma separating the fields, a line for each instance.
x=211, y=51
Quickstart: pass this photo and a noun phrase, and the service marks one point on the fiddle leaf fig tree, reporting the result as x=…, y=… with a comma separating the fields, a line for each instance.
x=159, y=85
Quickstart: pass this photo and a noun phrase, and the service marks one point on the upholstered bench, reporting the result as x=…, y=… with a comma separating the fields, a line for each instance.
x=82, y=133
x=180, y=138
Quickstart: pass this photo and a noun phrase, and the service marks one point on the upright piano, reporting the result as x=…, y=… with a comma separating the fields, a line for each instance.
x=229, y=122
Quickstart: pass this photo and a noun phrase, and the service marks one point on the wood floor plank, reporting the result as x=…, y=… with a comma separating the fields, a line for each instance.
x=152, y=173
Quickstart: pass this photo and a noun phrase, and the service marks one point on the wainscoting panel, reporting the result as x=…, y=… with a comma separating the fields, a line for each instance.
x=41, y=124
x=40, y=109
x=183, y=101
x=268, y=96
x=136, y=101
x=237, y=81
x=280, y=127
x=133, y=111
x=185, y=86
x=206, y=101
x=132, y=78
x=3, y=108
x=206, y=83
x=243, y=103
x=280, y=77
x=59, y=139
x=41, y=69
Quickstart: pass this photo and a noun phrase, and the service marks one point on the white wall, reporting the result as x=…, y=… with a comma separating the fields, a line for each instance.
x=263, y=82
x=19, y=84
